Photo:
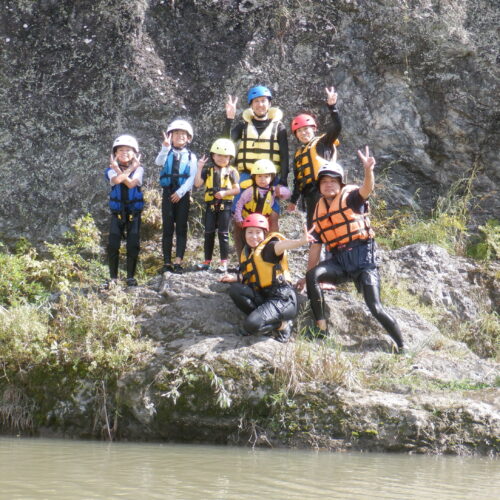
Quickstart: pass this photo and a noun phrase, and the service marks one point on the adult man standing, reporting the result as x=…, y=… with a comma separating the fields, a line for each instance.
x=260, y=135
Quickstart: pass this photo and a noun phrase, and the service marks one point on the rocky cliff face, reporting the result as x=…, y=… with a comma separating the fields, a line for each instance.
x=416, y=80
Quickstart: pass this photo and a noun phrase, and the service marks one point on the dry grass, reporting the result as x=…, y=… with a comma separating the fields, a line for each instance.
x=304, y=362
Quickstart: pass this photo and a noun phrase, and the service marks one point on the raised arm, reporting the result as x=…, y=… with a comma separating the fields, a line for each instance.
x=369, y=180
x=306, y=238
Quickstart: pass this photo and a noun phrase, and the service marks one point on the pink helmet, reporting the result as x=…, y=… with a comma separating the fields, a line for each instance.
x=256, y=220
x=303, y=121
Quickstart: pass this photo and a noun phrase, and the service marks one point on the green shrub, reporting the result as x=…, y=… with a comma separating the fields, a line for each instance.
x=482, y=337
x=446, y=226
x=100, y=334
x=18, y=282
x=24, y=337
x=487, y=245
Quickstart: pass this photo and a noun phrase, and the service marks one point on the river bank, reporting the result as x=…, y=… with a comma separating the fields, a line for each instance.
x=162, y=362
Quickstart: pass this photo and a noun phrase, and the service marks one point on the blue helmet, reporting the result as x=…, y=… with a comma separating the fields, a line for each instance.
x=259, y=91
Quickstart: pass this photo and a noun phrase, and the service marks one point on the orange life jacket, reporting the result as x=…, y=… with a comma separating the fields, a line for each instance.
x=307, y=162
x=337, y=224
x=258, y=273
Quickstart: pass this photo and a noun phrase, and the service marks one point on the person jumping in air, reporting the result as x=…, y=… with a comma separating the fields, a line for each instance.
x=265, y=293
x=221, y=185
x=260, y=196
x=341, y=222
x=313, y=151
x=176, y=178
x=126, y=203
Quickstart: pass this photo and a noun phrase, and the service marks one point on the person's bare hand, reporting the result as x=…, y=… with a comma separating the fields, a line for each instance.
x=231, y=107
x=202, y=161
x=167, y=139
x=367, y=160
x=331, y=96
x=300, y=285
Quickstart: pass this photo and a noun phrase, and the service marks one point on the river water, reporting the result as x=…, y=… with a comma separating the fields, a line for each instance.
x=63, y=469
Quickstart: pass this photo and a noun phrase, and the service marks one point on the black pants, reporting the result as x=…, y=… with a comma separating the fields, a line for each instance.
x=266, y=310
x=217, y=220
x=367, y=282
x=125, y=227
x=310, y=197
x=174, y=218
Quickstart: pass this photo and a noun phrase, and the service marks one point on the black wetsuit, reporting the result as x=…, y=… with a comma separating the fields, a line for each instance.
x=217, y=217
x=236, y=134
x=268, y=307
x=324, y=148
x=356, y=262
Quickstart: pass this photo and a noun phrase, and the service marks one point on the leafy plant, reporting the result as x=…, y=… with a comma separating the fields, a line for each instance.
x=487, y=245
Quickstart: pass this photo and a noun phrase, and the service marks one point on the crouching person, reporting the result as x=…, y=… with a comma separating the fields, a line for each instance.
x=264, y=292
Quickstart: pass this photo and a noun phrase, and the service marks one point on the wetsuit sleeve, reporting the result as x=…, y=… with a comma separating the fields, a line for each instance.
x=204, y=174
x=230, y=132
x=356, y=202
x=284, y=158
x=268, y=253
x=325, y=144
x=296, y=191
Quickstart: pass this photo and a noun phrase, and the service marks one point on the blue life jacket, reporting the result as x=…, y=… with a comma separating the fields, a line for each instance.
x=134, y=202
x=168, y=178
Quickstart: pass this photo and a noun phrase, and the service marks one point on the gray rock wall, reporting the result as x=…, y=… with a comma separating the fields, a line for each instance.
x=417, y=80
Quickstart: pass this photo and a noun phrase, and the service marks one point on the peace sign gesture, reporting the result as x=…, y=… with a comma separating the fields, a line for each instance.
x=114, y=164
x=367, y=160
x=331, y=96
x=307, y=237
x=167, y=138
x=231, y=107
x=202, y=161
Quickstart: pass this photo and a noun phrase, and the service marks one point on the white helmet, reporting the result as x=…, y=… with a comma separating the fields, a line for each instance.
x=331, y=169
x=181, y=125
x=126, y=140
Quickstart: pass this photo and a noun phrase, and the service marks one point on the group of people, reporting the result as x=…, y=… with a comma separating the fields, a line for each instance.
x=244, y=178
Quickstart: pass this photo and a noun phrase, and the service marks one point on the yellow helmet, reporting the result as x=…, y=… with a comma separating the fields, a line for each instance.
x=263, y=166
x=223, y=147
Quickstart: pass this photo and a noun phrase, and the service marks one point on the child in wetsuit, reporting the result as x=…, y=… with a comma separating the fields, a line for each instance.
x=260, y=196
x=312, y=153
x=176, y=179
x=126, y=203
x=221, y=185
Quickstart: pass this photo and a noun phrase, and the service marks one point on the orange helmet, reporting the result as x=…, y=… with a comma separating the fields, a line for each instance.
x=303, y=121
x=256, y=220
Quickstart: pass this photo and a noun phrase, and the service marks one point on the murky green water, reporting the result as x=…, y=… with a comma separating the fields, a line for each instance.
x=58, y=469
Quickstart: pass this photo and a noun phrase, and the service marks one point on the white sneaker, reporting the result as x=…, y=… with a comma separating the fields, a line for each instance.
x=222, y=268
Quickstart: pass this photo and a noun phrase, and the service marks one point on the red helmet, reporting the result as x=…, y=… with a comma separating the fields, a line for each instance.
x=256, y=220
x=303, y=121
